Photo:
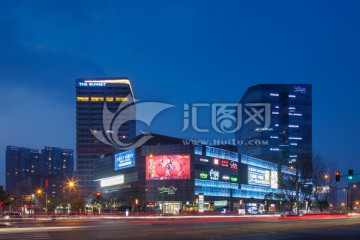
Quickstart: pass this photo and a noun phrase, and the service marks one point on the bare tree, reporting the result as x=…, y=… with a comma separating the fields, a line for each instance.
x=289, y=183
x=322, y=180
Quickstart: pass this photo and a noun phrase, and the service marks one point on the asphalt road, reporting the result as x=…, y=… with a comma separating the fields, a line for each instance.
x=190, y=228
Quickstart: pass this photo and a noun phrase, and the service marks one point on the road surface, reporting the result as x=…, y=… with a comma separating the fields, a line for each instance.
x=254, y=228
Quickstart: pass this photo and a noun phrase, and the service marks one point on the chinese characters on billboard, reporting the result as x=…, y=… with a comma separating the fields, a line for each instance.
x=165, y=167
x=124, y=160
x=259, y=176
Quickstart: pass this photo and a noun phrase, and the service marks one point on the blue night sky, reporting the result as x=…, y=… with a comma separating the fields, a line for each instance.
x=178, y=52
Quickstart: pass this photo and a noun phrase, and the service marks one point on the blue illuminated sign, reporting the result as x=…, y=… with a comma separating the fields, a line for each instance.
x=92, y=84
x=125, y=160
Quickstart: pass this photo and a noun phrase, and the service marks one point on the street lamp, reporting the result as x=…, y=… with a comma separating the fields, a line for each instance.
x=11, y=199
x=32, y=203
x=40, y=192
x=71, y=184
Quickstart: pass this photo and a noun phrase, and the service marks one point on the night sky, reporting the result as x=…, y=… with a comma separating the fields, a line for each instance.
x=178, y=52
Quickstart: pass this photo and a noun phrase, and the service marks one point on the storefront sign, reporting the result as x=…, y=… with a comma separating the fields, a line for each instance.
x=201, y=202
x=167, y=190
x=204, y=160
x=226, y=178
x=234, y=179
x=300, y=89
x=214, y=175
x=221, y=203
x=233, y=165
x=203, y=175
x=224, y=163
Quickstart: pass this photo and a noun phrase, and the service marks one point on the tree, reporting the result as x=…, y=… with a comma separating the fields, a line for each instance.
x=4, y=198
x=295, y=181
x=289, y=183
x=322, y=180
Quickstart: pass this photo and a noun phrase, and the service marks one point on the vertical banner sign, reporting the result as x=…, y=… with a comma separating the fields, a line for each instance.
x=201, y=202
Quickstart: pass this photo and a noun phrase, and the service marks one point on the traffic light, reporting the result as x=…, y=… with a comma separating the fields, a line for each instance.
x=98, y=195
x=351, y=174
x=337, y=176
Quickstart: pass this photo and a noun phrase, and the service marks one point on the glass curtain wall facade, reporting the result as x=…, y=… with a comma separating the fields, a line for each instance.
x=143, y=179
x=166, y=175
x=287, y=140
x=91, y=97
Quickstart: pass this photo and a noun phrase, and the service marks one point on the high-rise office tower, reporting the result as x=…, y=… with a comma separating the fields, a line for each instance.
x=57, y=162
x=278, y=123
x=21, y=163
x=92, y=97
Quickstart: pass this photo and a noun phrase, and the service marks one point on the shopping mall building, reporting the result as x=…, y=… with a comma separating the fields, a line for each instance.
x=168, y=175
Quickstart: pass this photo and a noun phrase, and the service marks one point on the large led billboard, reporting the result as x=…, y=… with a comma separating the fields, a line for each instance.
x=125, y=159
x=259, y=176
x=165, y=167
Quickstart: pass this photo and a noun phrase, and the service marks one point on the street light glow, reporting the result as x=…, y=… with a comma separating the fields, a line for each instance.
x=71, y=183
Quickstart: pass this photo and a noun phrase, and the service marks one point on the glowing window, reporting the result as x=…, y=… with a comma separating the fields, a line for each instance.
x=109, y=99
x=82, y=99
x=120, y=99
x=97, y=99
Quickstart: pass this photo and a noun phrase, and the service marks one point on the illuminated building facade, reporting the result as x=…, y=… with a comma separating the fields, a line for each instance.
x=169, y=176
x=92, y=95
x=285, y=127
x=57, y=162
x=28, y=170
x=21, y=163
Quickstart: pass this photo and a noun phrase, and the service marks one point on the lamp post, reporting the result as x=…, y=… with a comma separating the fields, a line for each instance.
x=70, y=184
x=40, y=192
x=11, y=199
x=32, y=203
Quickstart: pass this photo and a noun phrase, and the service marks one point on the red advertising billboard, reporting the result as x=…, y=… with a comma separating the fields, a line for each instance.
x=166, y=167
